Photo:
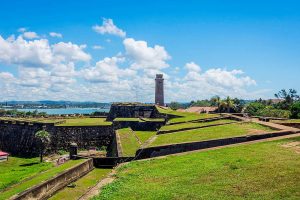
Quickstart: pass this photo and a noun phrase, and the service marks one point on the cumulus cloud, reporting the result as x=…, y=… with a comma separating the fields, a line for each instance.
x=70, y=51
x=108, y=27
x=30, y=35
x=64, y=70
x=54, y=34
x=145, y=57
x=191, y=66
x=107, y=70
x=98, y=47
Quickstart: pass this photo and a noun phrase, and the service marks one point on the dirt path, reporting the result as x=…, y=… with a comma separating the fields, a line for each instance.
x=149, y=141
x=94, y=191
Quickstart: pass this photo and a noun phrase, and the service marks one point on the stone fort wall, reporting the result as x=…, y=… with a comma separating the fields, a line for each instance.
x=18, y=138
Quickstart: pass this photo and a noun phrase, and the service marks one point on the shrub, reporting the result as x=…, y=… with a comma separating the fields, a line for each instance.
x=269, y=111
x=295, y=110
x=254, y=108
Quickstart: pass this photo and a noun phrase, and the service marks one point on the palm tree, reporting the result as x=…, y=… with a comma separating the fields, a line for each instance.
x=217, y=100
x=44, y=139
x=229, y=103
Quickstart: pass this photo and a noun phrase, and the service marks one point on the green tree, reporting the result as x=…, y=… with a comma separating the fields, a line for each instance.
x=174, y=105
x=229, y=104
x=44, y=140
x=288, y=98
x=217, y=101
x=295, y=110
x=253, y=108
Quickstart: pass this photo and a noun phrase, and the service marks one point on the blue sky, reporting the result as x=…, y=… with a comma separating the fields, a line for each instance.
x=202, y=48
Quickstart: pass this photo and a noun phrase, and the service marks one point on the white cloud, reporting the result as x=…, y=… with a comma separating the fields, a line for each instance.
x=98, y=47
x=22, y=29
x=191, y=66
x=70, y=51
x=145, y=57
x=108, y=27
x=54, y=34
x=30, y=35
x=107, y=70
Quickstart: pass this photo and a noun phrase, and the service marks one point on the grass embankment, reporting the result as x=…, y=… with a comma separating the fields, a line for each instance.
x=82, y=185
x=86, y=122
x=286, y=121
x=127, y=120
x=193, y=125
x=32, y=119
x=17, y=169
x=184, y=116
x=129, y=142
x=264, y=170
x=209, y=133
x=34, y=178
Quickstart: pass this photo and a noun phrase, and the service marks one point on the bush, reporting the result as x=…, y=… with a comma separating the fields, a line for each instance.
x=295, y=110
x=254, y=108
x=269, y=111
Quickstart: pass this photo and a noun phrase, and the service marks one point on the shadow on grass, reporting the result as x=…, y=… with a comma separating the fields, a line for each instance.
x=29, y=164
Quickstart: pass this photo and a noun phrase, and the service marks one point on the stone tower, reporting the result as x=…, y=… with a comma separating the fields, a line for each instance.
x=159, y=90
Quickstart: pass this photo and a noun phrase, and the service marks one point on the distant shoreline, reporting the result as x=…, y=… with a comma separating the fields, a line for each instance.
x=57, y=111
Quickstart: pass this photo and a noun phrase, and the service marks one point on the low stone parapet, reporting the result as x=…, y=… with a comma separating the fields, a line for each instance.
x=49, y=187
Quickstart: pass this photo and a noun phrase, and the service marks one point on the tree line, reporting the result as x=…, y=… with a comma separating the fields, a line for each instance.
x=286, y=105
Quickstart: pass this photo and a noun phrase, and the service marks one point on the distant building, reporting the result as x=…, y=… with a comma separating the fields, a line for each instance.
x=199, y=109
x=159, y=90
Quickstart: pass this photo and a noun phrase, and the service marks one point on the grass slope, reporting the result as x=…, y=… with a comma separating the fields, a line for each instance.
x=17, y=169
x=215, y=132
x=86, y=122
x=184, y=116
x=255, y=171
x=82, y=185
x=130, y=143
x=15, y=189
x=193, y=125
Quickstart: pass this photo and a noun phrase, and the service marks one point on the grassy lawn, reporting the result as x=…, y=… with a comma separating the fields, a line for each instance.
x=184, y=116
x=82, y=185
x=15, y=189
x=209, y=133
x=255, y=171
x=144, y=135
x=127, y=120
x=153, y=119
x=31, y=119
x=191, y=117
x=193, y=125
x=287, y=121
x=86, y=122
x=129, y=142
x=17, y=169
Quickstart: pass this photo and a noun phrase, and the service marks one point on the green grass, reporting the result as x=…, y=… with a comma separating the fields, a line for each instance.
x=17, y=169
x=15, y=189
x=184, y=116
x=86, y=122
x=129, y=142
x=193, y=125
x=287, y=121
x=82, y=185
x=31, y=119
x=144, y=135
x=255, y=171
x=209, y=133
x=153, y=119
x=127, y=120
x=191, y=117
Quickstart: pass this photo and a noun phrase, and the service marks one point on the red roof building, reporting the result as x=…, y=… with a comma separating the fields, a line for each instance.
x=3, y=153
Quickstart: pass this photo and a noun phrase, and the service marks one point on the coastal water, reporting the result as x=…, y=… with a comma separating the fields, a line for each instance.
x=57, y=111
